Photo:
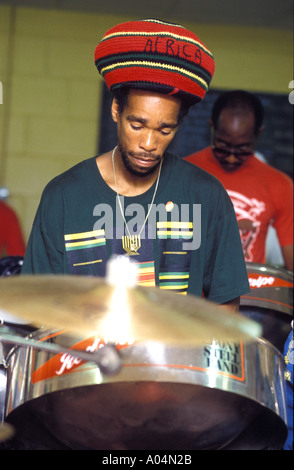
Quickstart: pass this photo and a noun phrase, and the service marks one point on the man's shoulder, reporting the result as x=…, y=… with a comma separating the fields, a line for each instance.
x=190, y=172
x=199, y=155
x=73, y=175
x=270, y=172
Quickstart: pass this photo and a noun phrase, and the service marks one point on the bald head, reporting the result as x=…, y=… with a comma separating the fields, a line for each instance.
x=239, y=103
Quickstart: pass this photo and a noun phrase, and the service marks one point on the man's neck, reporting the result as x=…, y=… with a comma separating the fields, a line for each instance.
x=127, y=184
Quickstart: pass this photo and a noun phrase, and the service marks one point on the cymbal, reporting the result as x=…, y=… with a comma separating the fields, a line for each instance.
x=87, y=305
x=6, y=431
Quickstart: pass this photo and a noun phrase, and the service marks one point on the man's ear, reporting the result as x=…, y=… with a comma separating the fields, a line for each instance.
x=114, y=110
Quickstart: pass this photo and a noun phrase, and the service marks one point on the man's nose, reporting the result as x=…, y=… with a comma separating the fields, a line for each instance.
x=148, y=141
x=231, y=158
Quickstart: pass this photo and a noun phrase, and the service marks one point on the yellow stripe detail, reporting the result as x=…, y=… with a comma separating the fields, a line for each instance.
x=158, y=33
x=86, y=242
x=155, y=64
x=88, y=262
x=175, y=224
x=174, y=232
x=174, y=252
x=174, y=276
x=76, y=236
x=150, y=283
x=146, y=270
x=152, y=20
x=173, y=287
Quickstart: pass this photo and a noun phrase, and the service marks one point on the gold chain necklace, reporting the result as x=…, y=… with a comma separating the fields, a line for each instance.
x=132, y=243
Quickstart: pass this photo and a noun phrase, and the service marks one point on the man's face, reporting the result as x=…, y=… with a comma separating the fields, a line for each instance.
x=146, y=128
x=233, y=139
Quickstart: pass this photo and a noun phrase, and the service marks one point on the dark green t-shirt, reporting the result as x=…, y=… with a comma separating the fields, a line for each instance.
x=189, y=244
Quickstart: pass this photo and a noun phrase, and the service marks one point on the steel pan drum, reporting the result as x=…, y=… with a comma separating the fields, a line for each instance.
x=270, y=301
x=17, y=330
x=216, y=396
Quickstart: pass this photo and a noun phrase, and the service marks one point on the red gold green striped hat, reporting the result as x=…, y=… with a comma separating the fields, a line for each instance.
x=157, y=55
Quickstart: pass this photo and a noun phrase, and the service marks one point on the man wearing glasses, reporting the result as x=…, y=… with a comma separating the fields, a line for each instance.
x=262, y=195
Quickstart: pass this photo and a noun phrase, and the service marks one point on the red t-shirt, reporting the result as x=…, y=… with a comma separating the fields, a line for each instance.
x=11, y=239
x=261, y=195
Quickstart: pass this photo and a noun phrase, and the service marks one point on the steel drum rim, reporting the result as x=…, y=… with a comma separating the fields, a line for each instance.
x=266, y=348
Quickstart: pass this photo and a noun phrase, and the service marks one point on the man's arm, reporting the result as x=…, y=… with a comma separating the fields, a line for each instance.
x=233, y=304
x=45, y=248
x=287, y=252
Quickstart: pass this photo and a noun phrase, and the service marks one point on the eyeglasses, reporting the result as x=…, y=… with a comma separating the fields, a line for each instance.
x=226, y=152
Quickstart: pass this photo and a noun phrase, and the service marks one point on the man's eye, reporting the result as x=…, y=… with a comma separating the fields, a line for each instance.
x=136, y=127
x=166, y=131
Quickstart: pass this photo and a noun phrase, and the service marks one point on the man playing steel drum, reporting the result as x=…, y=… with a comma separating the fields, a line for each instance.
x=175, y=220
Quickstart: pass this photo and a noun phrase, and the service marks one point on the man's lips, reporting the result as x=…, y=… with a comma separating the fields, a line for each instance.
x=143, y=161
x=231, y=166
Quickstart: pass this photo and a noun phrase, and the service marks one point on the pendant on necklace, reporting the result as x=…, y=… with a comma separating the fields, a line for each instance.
x=131, y=244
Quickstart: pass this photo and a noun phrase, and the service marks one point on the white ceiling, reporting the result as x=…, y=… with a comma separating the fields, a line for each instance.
x=256, y=13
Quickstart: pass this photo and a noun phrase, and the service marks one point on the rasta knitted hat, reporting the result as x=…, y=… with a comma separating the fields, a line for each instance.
x=153, y=54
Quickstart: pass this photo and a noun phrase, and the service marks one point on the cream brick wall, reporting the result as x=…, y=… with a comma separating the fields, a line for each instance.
x=50, y=115
x=4, y=53
x=52, y=93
